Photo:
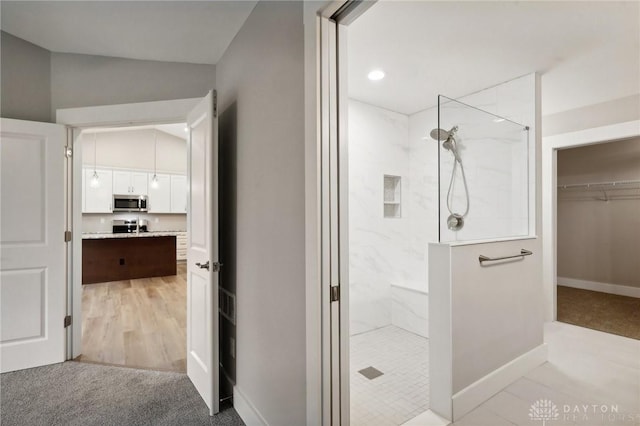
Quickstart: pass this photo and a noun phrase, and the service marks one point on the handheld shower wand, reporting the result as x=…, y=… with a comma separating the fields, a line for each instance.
x=455, y=221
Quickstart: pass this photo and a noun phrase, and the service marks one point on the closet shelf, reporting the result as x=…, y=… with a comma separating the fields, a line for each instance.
x=602, y=186
x=600, y=191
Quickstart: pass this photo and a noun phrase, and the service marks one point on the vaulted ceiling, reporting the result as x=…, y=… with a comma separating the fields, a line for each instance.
x=175, y=31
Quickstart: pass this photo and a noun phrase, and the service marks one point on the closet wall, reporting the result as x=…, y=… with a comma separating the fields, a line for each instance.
x=599, y=241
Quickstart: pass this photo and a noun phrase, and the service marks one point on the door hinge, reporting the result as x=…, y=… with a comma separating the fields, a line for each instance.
x=67, y=321
x=67, y=236
x=68, y=151
x=215, y=103
x=335, y=293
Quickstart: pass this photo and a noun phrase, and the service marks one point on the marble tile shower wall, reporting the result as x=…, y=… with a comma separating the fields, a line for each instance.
x=378, y=145
x=494, y=155
x=506, y=197
x=423, y=167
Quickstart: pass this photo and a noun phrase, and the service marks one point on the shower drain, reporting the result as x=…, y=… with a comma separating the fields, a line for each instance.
x=371, y=373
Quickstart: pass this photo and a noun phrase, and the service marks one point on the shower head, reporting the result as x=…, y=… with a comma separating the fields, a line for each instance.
x=448, y=140
x=439, y=135
x=443, y=135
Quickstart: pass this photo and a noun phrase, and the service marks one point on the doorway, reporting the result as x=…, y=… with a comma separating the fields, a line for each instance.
x=551, y=145
x=203, y=262
x=134, y=237
x=598, y=197
x=420, y=186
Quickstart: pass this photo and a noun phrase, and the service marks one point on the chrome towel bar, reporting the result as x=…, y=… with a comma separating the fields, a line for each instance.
x=523, y=253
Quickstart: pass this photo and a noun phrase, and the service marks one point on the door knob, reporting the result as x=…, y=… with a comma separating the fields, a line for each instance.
x=203, y=265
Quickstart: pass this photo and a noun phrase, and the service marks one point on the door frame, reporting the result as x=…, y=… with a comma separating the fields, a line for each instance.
x=76, y=120
x=330, y=253
x=550, y=147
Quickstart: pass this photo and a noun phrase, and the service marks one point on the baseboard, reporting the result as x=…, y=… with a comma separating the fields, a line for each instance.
x=427, y=418
x=621, y=290
x=477, y=393
x=245, y=409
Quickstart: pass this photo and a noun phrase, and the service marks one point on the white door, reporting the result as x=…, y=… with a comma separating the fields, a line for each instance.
x=32, y=247
x=202, y=253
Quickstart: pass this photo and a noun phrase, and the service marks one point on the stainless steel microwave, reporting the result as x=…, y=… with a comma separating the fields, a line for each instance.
x=129, y=203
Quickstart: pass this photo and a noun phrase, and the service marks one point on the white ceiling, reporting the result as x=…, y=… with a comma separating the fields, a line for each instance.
x=175, y=31
x=584, y=50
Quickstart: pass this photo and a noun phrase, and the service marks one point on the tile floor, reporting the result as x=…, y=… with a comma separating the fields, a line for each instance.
x=402, y=392
x=588, y=372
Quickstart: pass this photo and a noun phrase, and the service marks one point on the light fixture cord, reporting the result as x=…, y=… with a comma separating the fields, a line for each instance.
x=155, y=154
x=95, y=152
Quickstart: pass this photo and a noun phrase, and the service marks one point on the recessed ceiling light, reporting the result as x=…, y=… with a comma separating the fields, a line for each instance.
x=376, y=75
x=498, y=120
x=186, y=129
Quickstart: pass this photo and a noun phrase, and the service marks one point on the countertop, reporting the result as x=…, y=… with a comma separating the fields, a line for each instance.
x=104, y=235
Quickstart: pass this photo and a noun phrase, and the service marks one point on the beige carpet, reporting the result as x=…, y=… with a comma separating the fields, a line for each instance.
x=81, y=394
x=600, y=311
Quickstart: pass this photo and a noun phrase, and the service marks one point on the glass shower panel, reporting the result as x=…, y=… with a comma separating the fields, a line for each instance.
x=483, y=174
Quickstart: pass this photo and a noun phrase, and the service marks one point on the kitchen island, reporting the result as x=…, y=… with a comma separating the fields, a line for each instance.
x=116, y=257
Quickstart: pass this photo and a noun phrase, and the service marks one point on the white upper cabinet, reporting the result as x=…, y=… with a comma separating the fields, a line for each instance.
x=127, y=182
x=84, y=191
x=139, y=183
x=178, y=194
x=160, y=194
x=168, y=196
x=121, y=182
x=98, y=195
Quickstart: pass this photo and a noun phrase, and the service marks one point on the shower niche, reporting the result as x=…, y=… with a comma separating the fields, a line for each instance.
x=392, y=194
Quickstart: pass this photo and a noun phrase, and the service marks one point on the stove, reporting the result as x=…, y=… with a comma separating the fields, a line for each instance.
x=129, y=226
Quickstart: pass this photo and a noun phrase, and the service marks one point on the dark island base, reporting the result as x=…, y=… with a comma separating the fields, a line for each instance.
x=117, y=259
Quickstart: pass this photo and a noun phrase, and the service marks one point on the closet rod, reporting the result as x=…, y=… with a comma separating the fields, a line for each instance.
x=612, y=198
x=600, y=184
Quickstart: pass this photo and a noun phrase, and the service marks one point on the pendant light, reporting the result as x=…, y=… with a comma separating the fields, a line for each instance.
x=154, y=179
x=95, y=179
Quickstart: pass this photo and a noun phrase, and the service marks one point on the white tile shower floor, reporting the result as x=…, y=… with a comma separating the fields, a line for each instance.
x=402, y=392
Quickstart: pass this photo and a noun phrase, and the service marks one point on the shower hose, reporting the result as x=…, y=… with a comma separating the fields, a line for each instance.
x=466, y=189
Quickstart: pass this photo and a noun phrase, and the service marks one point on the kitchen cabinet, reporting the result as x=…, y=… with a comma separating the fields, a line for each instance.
x=178, y=194
x=159, y=194
x=84, y=191
x=168, y=196
x=117, y=259
x=128, y=182
x=181, y=246
x=98, y=198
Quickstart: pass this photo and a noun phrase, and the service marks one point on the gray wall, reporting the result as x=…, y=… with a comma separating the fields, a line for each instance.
x=601, y=114
x=261, y=75
x=26, y=81
x=86, y=80
x=36, y=82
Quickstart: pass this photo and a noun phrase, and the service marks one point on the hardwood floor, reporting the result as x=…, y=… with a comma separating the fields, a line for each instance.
x=137, y=323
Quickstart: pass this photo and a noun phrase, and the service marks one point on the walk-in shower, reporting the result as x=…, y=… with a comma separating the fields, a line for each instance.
x=455, y=221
